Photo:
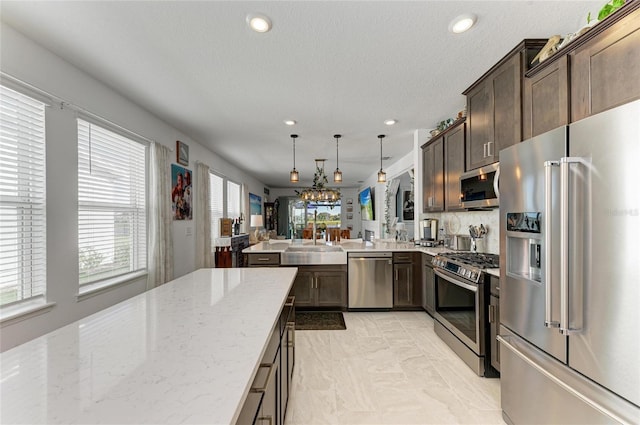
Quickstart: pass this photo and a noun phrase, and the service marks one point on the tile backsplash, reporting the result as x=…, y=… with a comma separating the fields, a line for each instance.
x=458, y=223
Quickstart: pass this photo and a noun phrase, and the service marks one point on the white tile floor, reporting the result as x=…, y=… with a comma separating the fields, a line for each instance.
x=386, y=368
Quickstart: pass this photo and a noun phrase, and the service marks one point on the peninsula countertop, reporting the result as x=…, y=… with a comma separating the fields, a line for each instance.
x=348, y=245
x=185, y=352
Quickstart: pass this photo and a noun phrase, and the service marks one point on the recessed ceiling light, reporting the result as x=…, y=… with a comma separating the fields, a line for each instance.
x=390, y=122
x=290, y=122
x=462, y=23
x=258, y=23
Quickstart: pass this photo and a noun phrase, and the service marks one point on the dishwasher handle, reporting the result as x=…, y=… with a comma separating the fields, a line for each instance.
x=370, y=259
x=370, y=255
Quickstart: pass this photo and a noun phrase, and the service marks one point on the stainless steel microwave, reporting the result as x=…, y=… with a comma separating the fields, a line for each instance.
x=479, y=187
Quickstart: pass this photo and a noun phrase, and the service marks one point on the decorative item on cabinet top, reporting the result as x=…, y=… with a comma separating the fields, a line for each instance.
x=448, y=124
x=557, y=42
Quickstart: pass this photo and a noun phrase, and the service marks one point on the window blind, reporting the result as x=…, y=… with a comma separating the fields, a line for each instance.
x=233, y=200
x=112, y=216
x=216, y=205
x=22, y=197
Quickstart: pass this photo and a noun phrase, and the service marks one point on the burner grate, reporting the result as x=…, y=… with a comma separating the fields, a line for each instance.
x=485, y=261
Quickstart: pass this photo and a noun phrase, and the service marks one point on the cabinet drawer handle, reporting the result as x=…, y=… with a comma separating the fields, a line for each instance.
x=291, y=326
x=397, y=275
x=264, y=259
x=263, y=389
x=492, y=314
x=290, y=301
x=489, y=149
x=268, y=419
x=484, y=150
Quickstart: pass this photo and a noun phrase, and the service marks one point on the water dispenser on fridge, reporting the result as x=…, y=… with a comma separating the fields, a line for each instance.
x=524, y=245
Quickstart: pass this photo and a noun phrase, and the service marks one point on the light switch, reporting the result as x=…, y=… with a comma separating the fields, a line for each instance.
x=189, y=231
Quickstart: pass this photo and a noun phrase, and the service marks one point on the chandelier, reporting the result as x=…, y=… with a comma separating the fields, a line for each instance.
x=319, y=192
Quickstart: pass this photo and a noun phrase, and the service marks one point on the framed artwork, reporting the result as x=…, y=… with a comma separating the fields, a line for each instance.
x=349, y=216
x=181, y=193
x=349, y=201
x=182, y=153
x=350, y=208
x=366, y=204
x=255, y=204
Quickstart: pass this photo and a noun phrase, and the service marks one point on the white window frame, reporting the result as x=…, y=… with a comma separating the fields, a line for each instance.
x=138, y=262
x=231, y=211
x=25, y=191
x=215, y=216
x=215, y=225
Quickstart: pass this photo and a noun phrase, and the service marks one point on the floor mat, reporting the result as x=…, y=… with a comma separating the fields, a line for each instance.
x=319, y=320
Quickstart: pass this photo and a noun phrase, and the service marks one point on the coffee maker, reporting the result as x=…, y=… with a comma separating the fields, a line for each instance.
x=429, y=232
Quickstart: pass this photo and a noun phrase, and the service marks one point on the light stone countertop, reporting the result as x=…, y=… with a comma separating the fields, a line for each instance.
x=493, y=272
x=185, y=352
x=279, y=246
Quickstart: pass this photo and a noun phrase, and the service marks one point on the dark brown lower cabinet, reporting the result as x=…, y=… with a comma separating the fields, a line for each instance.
x=403, y=285
x=428, y=285
x=266, y=403
x=407, y=281
x=321, y=286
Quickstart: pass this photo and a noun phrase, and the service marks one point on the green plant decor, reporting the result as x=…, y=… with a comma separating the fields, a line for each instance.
x=387, y=213
x=608, y=9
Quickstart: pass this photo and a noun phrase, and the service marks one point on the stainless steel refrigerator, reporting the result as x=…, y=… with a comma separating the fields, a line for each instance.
x=570, y=279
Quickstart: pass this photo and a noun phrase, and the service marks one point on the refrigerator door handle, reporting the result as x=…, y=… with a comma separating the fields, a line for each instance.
x=548, y=254
x=565, y=167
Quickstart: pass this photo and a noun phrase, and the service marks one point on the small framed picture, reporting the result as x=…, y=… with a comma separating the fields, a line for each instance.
x=349, y=201
x=349, y=216
x=182, y=153
x=350, y=209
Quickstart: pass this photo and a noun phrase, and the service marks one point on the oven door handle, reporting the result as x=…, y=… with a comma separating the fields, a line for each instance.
x=472, y=288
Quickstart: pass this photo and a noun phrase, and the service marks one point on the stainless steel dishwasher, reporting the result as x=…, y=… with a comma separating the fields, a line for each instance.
x=371, y=280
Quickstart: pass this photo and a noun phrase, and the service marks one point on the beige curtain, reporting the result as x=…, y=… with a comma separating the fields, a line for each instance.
x=244, y=207
x=204, y=255
x=160, y=220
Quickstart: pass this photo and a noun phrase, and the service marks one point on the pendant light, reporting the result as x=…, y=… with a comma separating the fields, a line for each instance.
x=337, y=175
x=294, y=177
x=382, y=176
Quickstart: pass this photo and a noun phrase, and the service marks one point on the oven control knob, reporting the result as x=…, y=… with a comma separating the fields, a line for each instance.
x=470, y=273
x=462, y=271
x=474, y=275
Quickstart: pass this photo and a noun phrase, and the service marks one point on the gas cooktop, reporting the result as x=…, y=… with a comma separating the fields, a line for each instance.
x=481, y=261
x=467, y=265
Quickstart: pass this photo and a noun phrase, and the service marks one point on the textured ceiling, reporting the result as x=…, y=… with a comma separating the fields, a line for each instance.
x=333, y=66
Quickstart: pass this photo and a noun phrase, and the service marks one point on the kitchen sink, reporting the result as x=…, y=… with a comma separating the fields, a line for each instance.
x=313, y=255
x=314, y=248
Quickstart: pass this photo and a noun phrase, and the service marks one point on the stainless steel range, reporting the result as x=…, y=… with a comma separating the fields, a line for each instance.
x=461, y=300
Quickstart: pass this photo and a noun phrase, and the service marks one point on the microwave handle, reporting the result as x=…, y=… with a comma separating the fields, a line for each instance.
x=496, y=183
